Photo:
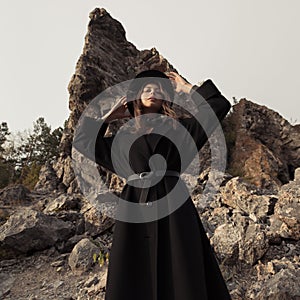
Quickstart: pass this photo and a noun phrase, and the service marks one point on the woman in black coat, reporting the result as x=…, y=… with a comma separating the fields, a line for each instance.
x=159, y=250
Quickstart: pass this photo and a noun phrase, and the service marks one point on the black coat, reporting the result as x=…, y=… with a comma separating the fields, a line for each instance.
x=169, y=258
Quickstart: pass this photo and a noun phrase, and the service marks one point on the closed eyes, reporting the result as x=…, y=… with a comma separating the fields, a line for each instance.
x=150, y=90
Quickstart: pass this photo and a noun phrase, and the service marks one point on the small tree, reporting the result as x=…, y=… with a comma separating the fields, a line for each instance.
x=4, y=133
x=23, y=155
x=6, y=168
x=41, y=146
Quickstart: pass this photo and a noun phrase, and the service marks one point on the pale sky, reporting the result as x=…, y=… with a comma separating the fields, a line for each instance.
x=250, y=48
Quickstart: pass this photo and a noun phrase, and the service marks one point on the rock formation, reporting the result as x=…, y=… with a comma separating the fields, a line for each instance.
x=107, y=59
x=28, y=230
x=263, y=147
x=53, y=241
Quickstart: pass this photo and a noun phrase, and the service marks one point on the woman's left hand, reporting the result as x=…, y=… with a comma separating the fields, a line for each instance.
x=118, y=111
x=181, y=85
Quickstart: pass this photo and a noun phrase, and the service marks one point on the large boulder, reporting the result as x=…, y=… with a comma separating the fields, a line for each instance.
x=48, y=180
x=82, y=256
x=285, y=222
x=244, y=196
x=287, y=209
x=277, y=280
x=96, y=222
x=63, y=202
x=27, y=231
x=263, y=147
x=15, y=195
x=241, y=240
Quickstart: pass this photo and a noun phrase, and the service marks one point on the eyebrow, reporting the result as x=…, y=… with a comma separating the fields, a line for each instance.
x=151, y=86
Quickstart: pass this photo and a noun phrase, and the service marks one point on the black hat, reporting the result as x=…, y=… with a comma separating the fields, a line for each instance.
x=145, y=77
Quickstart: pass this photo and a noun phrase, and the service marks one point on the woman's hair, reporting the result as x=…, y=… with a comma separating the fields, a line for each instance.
x=166, y=107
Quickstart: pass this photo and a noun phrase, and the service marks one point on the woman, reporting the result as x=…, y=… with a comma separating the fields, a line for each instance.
x=167, y=258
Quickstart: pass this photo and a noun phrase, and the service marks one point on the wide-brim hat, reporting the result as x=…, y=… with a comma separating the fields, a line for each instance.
x=141, y=79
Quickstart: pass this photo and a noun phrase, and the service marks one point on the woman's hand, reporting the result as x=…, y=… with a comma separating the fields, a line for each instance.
x=181, y=85
x=118, y=111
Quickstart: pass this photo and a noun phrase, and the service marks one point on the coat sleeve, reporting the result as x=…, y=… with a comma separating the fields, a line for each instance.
x=90, y=141
x=212, y=108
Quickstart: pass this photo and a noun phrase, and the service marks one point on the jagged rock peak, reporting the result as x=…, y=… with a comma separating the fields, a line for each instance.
x=99, y=16
x=107, y=59
x=98, y=12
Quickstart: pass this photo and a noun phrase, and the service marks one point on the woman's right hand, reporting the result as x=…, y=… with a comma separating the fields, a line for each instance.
x=181, y=85
x=118, y=111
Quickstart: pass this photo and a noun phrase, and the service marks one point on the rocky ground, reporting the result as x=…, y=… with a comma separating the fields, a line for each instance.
x=57, y=247
x=46, y=250
x=46, y=275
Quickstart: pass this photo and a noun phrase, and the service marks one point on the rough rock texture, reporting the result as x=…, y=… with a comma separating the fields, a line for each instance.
x=277, y=280
x=264, y=148
x=47, y=275
x=17, y=194
x=252, y=221
x=244, y=241
x=107, y=59
x=255, y=235
x=241, y=233
x=81, y=257
x=287, y=209
x=63, y=203
x=95, y=222
x=248, y=198
x=27, y=231
x=48, y=180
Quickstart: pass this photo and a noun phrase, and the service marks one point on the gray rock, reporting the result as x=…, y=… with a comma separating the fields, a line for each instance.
x=91, y=281
x=81, y=257
x=278, y=280
x=6, y=284
x=63, y=203
x=277, y=229
x=287, y=209
x=68, y=245
x=246, y=197
x=27, y=231
x=254, y=244
x=15, y=195
x=5, y=212
x=242, y=240
x=48, y=180
x=58, y=263
x=263, y=146
x=216, y=217
x=95, y=221
x=226, y=241
x=95, y=285
x=297, y=176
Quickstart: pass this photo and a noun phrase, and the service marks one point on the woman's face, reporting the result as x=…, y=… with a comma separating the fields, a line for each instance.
x=151, y=98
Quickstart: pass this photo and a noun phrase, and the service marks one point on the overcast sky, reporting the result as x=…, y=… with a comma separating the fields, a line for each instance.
x=250, y=48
